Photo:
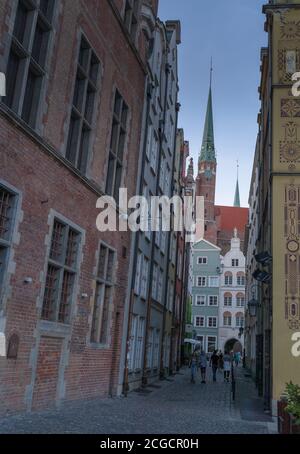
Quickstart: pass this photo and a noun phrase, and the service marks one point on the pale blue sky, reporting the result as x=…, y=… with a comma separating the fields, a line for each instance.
x=232, y=33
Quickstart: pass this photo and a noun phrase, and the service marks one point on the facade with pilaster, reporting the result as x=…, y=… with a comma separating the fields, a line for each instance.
x=278, y=305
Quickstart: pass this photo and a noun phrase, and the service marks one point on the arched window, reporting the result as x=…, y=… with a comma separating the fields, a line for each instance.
x=228, y=300
x=228, y=278
x=241, y=279
x=227, y=319
x=239, y=320
x=240, y=300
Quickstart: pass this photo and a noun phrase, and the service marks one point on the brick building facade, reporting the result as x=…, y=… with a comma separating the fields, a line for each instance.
x=70, y=131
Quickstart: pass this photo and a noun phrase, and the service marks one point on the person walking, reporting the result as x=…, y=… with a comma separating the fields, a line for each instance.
x=221, y=361
x=214, y=363
x=227, y=366
x=203, y=366
x=194, y=362
x=237, y=358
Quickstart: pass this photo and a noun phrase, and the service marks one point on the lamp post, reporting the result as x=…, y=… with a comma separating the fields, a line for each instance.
x=253, y=304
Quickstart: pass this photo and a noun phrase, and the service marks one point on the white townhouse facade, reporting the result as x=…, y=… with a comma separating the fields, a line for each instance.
x=232, y=298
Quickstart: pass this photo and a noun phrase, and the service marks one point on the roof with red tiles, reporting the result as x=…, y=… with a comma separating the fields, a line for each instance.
x=229, y=218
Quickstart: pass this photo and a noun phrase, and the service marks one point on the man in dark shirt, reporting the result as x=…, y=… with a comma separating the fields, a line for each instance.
x=214, y=362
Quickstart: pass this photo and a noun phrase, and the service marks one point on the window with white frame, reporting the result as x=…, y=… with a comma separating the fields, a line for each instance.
x=228, y=300
x=200, y=300
x=138, y=272
x=211, y=344
x=228, y=278
x=7, y=211
x=212, y=322
x=27, y=62
x=235, y=263
x=154, y=281
x=61, y=273
x=137, y=338
x=227, y=319
x=167, y=184
x=154, y=153
x=163, y=238
x=214, y=281
x=132, y=342
x=240, y=300
x=162, y=172
x=241, y=279
x=104, y=291
x=200, y=321
x=149, y=141
x=138, y=363
x=158, y=234
x=145, y=274
x=201, y=281
x=202, y=261
x=147, y=196
x=160, y=286
x=213, y=300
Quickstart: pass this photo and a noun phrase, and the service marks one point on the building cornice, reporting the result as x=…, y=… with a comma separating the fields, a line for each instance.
x=280, y=6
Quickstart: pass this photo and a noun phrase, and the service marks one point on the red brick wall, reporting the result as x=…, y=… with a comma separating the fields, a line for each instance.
x=48, y=184
x=45, y=389
x=206, y=188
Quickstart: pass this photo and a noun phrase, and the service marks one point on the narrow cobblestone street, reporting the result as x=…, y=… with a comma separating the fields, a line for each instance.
x=174, y=406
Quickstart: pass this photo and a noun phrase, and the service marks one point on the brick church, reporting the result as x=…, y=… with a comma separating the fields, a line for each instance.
x=220, y=221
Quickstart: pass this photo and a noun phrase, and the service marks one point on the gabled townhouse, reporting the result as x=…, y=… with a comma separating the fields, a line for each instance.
x=206, y=294
x=232, y=298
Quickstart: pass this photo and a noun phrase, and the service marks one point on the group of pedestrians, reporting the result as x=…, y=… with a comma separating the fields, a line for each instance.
x=217, y=361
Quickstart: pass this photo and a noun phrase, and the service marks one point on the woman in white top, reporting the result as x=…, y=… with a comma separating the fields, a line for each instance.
x=227, y=366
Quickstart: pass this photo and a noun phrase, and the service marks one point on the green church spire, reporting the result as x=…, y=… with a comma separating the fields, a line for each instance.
x=208, y=153
x=237, y=200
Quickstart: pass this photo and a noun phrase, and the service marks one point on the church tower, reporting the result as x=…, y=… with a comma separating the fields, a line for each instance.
x=237, y=200
x=207, y=170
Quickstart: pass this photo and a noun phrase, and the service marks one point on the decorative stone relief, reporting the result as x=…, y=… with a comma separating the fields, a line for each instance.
x=290, y=145
x=292, y=256
x=290, y=29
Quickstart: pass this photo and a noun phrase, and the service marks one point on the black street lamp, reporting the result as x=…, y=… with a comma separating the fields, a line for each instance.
x=253, y=306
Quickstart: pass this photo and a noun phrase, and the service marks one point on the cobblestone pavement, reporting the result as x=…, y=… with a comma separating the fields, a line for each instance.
x=177, y=407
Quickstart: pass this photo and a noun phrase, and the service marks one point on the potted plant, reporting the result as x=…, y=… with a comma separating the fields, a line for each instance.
x=293, y=406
